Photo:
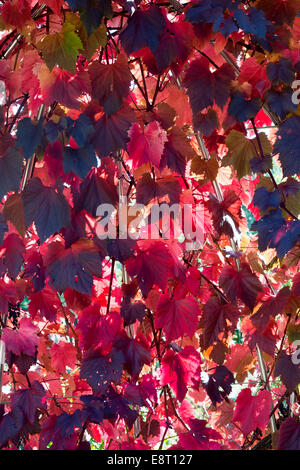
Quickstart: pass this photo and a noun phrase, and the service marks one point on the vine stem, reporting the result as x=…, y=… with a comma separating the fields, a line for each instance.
x=280, y=348
x=129, y=329
x=167, y=419
x=263, y=373
x=174, y=409
x=82, y=432
x=144, y=79
x=110, y=284
x=28, y=171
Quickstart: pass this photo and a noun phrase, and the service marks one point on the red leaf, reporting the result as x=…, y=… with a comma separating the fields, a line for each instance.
x=219, y=384
x=255, y=74
x=226, y=213
x=266, y=339
x=110, y=83
x=13, y=256
x=111, y=132
x=55, y=5
x=152, y=265
x=296, y=285
x=271, y=307
x=174, y=46
x=193, y=281
x=135, y=351
x=45, y=303
x=148, y=189
x=177, y=317
x=16, y=13
x=63, y=354
x=54, y=161
x=242, y=284
x=199, y=437
x=24, y=340
x=66, y=88
x=179, y=370
x=147, y=144
x=206, y=88
x=7, y=294
x=218, y=319
x=252, y=411
x=29, y=400
x=73, y=267
x=97, y=330
x=50, y=433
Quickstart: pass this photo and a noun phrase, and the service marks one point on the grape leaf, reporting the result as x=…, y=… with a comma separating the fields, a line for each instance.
x=132, y=312
x=24, y=340
x=204, y=87
x=289, y=435
x=152, y=265
x=13, y=257
x=110, y=83
x=176, y=317
x=29, y=400
x=288, y=146
x=180, y=370
x=217, y=319
x=135, y=352
x=288, y=371
x=79, y=160
x=73, y=267
x=45, y=303
x=242, y=284
x=148, y=189
x=242, y=150
x=98, y=331
x=146, y=145
x=143, y=29
x=200, y=437
x=61, y=48
x=219, y=384
x=111, y=132
x=62, y=355
x=282, y=71
x=252, y=411
x=45, y=207
x=99, y=371
x=29, y=136
x=95, y=190
x=11, y=165
x=243, y=109
x=253, y=22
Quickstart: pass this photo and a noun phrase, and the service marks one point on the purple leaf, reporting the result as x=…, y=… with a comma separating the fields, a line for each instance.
x=46, y=207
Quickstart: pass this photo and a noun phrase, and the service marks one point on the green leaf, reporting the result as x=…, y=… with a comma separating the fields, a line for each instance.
x=61, y=48
x=13, y=211
x=293, y=332
x=241, y=150
x=91, y=43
